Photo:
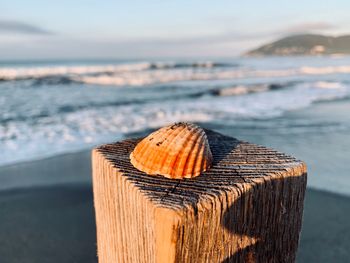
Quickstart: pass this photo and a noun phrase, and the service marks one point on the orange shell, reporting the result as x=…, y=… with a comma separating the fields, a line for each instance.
x=176, y=151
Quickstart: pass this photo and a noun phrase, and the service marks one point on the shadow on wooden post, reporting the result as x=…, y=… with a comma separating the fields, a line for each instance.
x=270, y=233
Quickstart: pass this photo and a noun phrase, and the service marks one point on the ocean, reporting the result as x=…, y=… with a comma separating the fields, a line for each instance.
x=299, y=105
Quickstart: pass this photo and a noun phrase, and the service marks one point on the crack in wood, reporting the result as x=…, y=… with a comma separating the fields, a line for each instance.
x=172, y=190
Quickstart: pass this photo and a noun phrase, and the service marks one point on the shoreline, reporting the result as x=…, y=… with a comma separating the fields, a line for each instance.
x=77, y=167
x=295, y=140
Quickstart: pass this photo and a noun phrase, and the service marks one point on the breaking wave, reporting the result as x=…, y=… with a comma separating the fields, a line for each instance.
x=195, y=93
x=148, y=73
x=161, y=76
x=7, y=74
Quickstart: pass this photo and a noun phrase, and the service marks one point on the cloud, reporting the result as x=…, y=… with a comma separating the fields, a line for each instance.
x=221, y=38
x=229, y=43
x=16, y=27
x=235, y=37
x=311, y=26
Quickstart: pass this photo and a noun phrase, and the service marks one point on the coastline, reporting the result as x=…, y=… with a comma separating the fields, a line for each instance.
x=312, y=134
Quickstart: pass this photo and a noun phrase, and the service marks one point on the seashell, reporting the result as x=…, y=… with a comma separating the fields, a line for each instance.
x=176, y=151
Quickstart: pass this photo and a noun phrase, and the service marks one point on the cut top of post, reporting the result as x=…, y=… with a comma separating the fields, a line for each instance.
x=237, y=166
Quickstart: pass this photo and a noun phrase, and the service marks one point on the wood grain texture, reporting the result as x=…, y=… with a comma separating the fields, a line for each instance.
x=247, y=208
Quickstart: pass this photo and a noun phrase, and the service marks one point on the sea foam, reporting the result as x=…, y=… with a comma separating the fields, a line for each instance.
x=148, y=73
x=32, y=138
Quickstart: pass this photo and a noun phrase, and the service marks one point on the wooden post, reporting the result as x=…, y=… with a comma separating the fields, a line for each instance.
x=247, y=208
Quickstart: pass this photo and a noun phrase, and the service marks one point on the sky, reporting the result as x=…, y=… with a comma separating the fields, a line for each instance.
x=34, y=29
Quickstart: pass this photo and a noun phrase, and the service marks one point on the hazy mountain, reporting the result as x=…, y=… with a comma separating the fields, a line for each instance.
x=308, y=44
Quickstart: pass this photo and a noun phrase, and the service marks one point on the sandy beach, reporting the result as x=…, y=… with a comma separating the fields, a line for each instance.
x=54, y=221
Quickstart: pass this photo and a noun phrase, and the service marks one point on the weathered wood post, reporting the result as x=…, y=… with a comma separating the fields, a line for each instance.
x=247, y=208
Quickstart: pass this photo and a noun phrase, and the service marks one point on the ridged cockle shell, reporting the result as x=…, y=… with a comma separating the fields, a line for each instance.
x=176, y=151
